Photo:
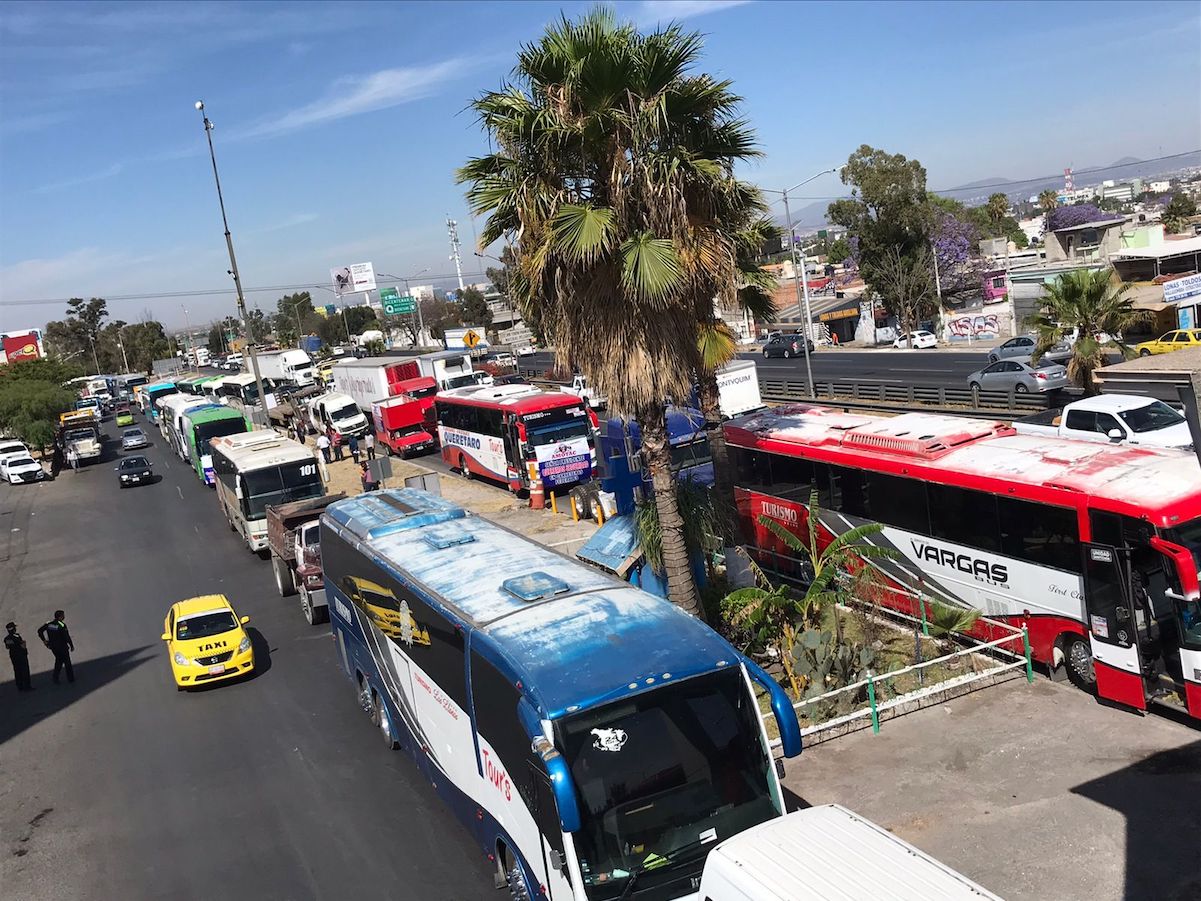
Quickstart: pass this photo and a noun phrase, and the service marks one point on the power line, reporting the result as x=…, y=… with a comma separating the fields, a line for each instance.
x=216, y=292
x=1026, y=181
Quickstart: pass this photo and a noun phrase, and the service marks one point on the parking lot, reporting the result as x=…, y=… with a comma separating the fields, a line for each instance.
x=1035, y=791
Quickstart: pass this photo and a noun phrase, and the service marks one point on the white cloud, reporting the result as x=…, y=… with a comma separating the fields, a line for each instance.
x=352, y=96
x=650, y=12
x=110, y=172
x=30, y=123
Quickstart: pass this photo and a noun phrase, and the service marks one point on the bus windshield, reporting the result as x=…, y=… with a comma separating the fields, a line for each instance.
x=660, y=770
x=556, y=425
x=205, y=432
x=279, y=485
x=692, y=453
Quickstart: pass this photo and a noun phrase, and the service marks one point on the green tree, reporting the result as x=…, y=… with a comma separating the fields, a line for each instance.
x=1048, y=200
x=258, y=325
x=1178, y=211
x=294, y=317
x=611, y=157
x=473, y=309
x=216, y=340
x=1090, y=304
x=840, y=249
x=32, y=395
x=360, y=319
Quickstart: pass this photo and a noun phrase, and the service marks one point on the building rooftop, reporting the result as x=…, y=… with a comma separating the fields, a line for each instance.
x=1169, y=248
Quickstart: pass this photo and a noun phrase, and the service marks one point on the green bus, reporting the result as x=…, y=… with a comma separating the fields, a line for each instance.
x=201, y=425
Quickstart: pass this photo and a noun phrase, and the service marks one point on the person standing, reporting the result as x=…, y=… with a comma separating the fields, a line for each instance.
x=353, y=444
x=18, y=653
x=368, y=478
x=73, y=458
x=335, y=438
x=323, y=446
x=369, y=445
x=55, y=636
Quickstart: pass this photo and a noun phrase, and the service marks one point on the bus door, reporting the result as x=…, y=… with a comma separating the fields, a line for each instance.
x=1182, y=635
x=1112, y=628
x=514, y=454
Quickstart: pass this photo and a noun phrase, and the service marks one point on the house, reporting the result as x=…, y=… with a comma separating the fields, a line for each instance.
x=1087, y=242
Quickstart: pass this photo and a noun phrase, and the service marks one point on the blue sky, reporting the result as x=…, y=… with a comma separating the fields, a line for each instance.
x=338, y=127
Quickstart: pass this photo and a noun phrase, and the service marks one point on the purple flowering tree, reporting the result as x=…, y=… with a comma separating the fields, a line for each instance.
x=1078, y=214
x=960, y=267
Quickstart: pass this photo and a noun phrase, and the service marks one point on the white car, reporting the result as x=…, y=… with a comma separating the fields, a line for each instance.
x=922, y=340
x=526, y=350
x=21, y=468
x=10, y=447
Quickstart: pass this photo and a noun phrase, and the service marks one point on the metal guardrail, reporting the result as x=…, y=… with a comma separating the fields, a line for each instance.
x=869, y=395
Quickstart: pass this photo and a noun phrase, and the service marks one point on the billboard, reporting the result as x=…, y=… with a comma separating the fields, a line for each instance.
x=22, y=345
x=349, y=279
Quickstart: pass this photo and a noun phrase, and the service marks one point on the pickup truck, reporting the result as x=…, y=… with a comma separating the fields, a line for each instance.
x=1117, y=418
x=580, y=388
x=293, y=535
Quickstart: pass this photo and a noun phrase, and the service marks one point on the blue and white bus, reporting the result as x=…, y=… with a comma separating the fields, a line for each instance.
x=590, y=735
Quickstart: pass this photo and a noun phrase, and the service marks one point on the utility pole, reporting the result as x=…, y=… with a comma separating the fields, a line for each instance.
x=233, y=270
x=455, y=253
x=191, y=343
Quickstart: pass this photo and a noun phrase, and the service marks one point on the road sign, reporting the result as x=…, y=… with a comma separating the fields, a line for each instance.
x=470, y=339
x=394, y=304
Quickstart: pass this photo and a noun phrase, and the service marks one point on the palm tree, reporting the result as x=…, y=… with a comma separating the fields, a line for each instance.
x=1089, y=303
x=612, y=176
x=997, y=210
x=1048, y=200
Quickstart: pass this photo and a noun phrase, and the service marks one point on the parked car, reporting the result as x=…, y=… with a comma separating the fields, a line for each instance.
x=1170, y=341
x=525, y=350
x=132, y=439
x=1021, y=346
x=1020, y=376
x=17, y=469
x=786, y=346
x=922, y=340
x=135, y=470
x=12, y=448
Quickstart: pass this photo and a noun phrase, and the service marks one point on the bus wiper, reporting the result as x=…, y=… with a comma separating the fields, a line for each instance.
x=654, y=862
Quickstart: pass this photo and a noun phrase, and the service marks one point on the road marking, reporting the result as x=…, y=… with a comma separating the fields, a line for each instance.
x=180, y=490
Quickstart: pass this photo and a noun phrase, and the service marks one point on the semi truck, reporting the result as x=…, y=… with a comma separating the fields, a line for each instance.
x=294, y=366
x=405, y=424
x=80, y=433
x=448, y=368
x=294, y=537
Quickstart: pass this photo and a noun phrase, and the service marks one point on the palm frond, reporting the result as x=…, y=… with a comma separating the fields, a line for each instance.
x=583, y=233
x=650, y=266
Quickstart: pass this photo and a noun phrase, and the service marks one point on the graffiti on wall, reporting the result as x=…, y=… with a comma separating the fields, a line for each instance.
x=983, y=325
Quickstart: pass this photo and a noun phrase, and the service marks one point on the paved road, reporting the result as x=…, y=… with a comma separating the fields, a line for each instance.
x=120, y=787
x=899, y=367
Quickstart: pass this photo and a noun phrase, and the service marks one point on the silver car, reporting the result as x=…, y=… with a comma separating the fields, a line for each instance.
x=132, y=439
x=1022, y=347
x=1020, y=376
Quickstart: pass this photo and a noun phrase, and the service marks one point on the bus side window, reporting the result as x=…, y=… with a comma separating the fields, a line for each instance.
x=792, y=477
x=849, y=491
x=751, y=468
x=1040, y=534
x=899, y=502
x=964, y=516
x=495, y=700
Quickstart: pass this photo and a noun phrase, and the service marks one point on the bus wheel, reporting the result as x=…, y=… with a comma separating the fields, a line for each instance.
x=518, y=890
x=464, y=469
x=379, y=716
x=1079, y=661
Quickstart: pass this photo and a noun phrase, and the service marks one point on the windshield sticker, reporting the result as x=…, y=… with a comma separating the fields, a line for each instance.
x=609, y=739
x=1100, y=626
x=709, y=835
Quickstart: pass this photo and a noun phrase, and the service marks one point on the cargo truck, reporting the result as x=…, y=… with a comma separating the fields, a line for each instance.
x=448, y=368
x=294, y=366
x=293, y=535
x=339, y=412
x=405, y=424
x=372, y=379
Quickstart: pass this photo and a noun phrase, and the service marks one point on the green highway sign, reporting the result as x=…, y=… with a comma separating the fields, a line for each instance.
x=395, y=304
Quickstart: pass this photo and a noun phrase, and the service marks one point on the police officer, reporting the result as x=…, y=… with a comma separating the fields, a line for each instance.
x=55, y=636
x=19, y=655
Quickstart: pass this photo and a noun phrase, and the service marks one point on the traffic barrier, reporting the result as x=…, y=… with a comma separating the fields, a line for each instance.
x=879, y=395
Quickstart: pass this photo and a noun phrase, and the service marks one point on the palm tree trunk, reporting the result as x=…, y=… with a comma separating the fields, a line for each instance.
x=723, y=476
x=656, y=451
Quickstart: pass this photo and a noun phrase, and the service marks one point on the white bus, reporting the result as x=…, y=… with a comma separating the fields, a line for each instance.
x=596, y=740
x=241, y=388
x=257, y=469
x=171, y=409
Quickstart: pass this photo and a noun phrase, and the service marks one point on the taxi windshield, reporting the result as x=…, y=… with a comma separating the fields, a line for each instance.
x=202, y=625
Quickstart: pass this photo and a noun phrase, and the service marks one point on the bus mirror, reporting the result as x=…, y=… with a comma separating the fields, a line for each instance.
x=1183, y=564
x=561, y=782
x=781, y=706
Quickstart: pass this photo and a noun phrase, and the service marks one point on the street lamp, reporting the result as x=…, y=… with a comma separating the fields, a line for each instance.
x=233, y=263
x=95, y=360
x=124, y=359
x=295, y=305
x=508, y=297
x=804, y=280
x=191, y=344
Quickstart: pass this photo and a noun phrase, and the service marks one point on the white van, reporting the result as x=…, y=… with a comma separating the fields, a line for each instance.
x=339, y=412
x=828, y=853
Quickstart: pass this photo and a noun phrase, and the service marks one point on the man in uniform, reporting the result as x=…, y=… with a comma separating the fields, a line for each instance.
x=19, y=655
x=55, y=636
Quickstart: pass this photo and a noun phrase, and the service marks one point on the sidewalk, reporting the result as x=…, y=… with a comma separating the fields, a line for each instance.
x=489, y=501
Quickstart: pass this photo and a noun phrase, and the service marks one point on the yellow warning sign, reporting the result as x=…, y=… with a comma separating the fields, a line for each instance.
x=470, y=339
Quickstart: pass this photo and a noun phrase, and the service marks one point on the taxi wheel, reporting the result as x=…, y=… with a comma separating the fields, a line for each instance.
x=1144, y=352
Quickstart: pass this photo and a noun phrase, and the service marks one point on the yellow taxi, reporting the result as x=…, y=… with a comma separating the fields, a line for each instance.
x=206, y=641
x=1170, y=341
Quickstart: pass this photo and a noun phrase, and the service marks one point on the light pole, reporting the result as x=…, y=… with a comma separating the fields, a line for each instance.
x=124, y=359
x=295, y=305
x=233, y=263
x=95, y=360
x=508, y=297
x=191, y=345
x=803, y=284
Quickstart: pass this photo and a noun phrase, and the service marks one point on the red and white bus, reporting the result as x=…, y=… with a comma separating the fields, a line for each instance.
x=1094, y=547
x=517, y=434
